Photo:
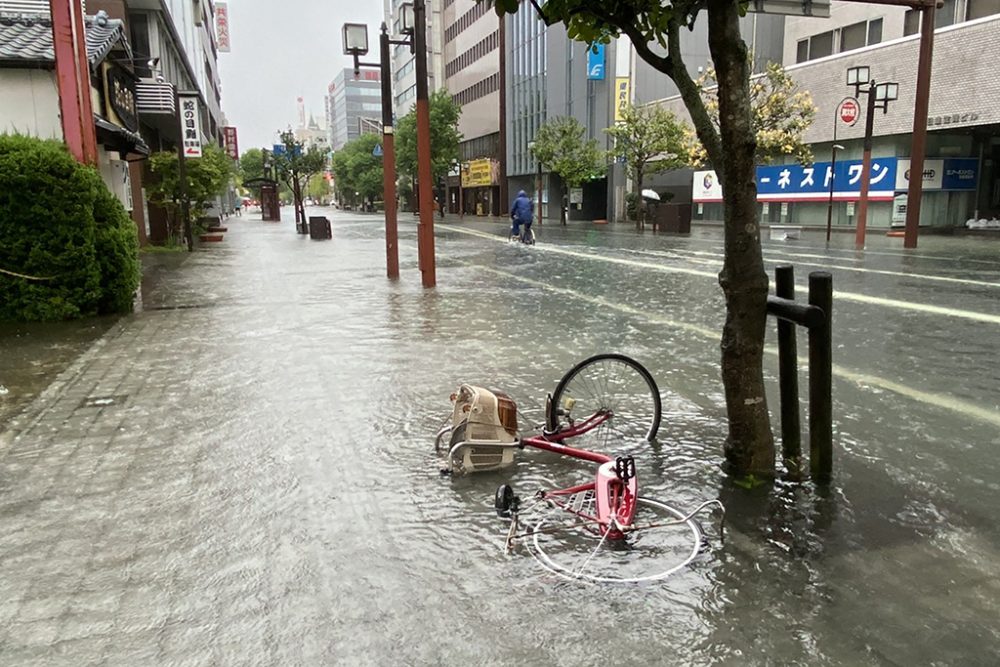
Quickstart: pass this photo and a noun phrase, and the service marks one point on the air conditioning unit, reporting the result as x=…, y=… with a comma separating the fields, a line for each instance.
x=154, y=97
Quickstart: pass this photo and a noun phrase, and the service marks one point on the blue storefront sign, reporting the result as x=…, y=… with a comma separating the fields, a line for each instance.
x=795, y=182
x=595, y=62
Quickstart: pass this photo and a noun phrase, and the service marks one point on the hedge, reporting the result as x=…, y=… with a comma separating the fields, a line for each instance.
x=59, y=222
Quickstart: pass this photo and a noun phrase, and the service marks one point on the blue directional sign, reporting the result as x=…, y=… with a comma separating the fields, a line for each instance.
x=595, y=62
x=279, y=149
x=377, y=151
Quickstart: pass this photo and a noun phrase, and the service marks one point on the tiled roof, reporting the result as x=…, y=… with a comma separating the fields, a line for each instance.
x=25, y=37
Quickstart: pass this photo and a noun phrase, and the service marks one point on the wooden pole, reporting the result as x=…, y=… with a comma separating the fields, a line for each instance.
x=425, y=228
x=866, y=170
x=919, y=142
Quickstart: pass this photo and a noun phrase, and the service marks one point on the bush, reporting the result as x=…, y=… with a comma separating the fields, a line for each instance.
x=58, y=221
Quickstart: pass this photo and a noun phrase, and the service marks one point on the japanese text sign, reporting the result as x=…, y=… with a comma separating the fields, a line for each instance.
x=191, y=126
x=232, y=147
x=222, y=26
x=621, y=97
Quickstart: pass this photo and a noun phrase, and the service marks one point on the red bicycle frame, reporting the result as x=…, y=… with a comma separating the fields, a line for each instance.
x=615, y=493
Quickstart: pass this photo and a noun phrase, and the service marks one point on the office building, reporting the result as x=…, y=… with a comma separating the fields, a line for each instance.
x=349, y=100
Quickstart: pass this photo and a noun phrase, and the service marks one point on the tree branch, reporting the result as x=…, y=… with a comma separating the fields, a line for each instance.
x=691, y=94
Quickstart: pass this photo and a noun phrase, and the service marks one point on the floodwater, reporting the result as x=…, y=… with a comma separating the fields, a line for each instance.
x=269, y=493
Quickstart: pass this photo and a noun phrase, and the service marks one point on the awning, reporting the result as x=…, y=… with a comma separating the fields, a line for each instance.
x=117, y=138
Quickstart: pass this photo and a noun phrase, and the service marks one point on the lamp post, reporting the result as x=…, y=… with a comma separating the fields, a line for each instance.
x=538, y=180
x=879, y=96
x=355, y=37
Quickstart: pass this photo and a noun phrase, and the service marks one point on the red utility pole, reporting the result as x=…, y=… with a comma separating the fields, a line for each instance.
x=425, y=228
x=73, y=80
x=388, y=162
x=919, y=145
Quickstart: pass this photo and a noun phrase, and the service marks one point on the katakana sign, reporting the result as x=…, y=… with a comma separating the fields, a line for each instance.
x=795, y=182
x=191, y=126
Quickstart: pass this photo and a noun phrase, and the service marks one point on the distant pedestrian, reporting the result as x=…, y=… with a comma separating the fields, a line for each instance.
x=238, y=209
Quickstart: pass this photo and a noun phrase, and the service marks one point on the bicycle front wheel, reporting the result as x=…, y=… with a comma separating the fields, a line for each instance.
x=610, y=383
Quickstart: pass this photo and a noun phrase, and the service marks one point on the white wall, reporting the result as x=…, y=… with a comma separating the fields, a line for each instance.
x=30, y=103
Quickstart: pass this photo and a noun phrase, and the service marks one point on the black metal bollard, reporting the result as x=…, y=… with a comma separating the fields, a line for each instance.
x=821, y=379
x=788, y=376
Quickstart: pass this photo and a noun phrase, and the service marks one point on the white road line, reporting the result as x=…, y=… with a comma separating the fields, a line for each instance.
x=839, y=294
x=943, y=401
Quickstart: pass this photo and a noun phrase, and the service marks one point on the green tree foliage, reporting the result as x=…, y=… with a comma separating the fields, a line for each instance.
x=67, y=247
x=654, y=28
x=562, y=146
x=650, y=140
x=445, y=138
x=207, y=178
x=252, y=167
x=781, y=115
x=295, y=165
x=317, y=188
x=357, y=170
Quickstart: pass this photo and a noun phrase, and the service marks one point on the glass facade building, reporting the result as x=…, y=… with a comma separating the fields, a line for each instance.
x=527, y=70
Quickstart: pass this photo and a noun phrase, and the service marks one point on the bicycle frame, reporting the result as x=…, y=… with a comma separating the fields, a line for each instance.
x=615, y=487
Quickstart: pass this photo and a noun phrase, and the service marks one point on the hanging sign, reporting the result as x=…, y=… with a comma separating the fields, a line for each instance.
x=222, y=26
x=232, y=147
x=191, y=126
x=621, y=97
x=595, y=62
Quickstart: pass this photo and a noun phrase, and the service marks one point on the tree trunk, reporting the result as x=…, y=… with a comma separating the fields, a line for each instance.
x=750, y=446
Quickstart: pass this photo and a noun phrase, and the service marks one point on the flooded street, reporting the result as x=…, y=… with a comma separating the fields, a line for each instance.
x=243, y=472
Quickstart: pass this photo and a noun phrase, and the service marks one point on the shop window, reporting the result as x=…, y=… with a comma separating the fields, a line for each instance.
x=977, y=9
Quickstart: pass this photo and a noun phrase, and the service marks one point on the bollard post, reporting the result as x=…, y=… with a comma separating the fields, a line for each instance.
x=821, y=379
x=788, y=376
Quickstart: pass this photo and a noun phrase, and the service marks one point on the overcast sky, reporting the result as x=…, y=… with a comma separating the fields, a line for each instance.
x=282, y=49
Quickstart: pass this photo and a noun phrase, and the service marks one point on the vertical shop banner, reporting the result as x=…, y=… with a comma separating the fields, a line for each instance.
x=191, y=124
x=622, y=98
x=595, y=62
x=222, y=26
x=232, y=146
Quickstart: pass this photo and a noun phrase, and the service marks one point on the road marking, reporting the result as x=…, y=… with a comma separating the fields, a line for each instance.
x=990, y=416
x=841, y=267
x=839, y=294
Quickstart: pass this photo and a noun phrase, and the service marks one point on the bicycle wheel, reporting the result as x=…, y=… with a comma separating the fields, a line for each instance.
x=661, y=542
x=609, y=383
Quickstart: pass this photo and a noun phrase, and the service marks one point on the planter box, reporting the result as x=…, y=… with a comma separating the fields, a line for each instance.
x=217, y=230
x=209, y=238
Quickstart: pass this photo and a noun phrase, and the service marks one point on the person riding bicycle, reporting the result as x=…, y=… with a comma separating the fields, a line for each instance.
x=520, y=213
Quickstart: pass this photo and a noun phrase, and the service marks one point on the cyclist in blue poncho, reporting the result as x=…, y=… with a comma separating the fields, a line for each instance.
x=520, y=213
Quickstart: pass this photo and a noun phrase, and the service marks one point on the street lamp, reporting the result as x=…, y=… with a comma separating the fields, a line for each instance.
x=879, y=96
x=356, y=45
x=538, y=179
x=833, y=177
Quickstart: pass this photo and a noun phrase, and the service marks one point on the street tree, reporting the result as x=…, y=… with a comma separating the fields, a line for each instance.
x=251, y=168
x=207, y=178
x=295, y=164
x=562, y=145
x=649, y=140
x=782, y=113
x=357, y=171
x=445, y=138
x=318, y=187
x=654, y=28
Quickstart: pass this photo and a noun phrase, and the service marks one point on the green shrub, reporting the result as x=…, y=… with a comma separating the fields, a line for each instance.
x=57, y=221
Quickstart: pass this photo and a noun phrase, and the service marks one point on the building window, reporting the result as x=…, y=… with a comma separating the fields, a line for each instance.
x=875, y=32
x=946, y=15
x=802, y=51
x=911, y=22
x=853, y=36
x=821, y=45
x=977, y=9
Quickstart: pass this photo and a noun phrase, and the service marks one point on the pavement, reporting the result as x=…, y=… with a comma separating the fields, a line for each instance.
x=240, y=473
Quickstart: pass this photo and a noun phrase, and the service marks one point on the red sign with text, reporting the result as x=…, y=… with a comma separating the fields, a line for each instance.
x=850, y=110
x=232, y=148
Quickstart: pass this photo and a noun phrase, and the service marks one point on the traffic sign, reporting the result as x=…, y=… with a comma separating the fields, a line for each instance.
x=849, y=111
x=377, y=151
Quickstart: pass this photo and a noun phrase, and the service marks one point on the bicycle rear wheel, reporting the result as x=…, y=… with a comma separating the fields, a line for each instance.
x=609, y=383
